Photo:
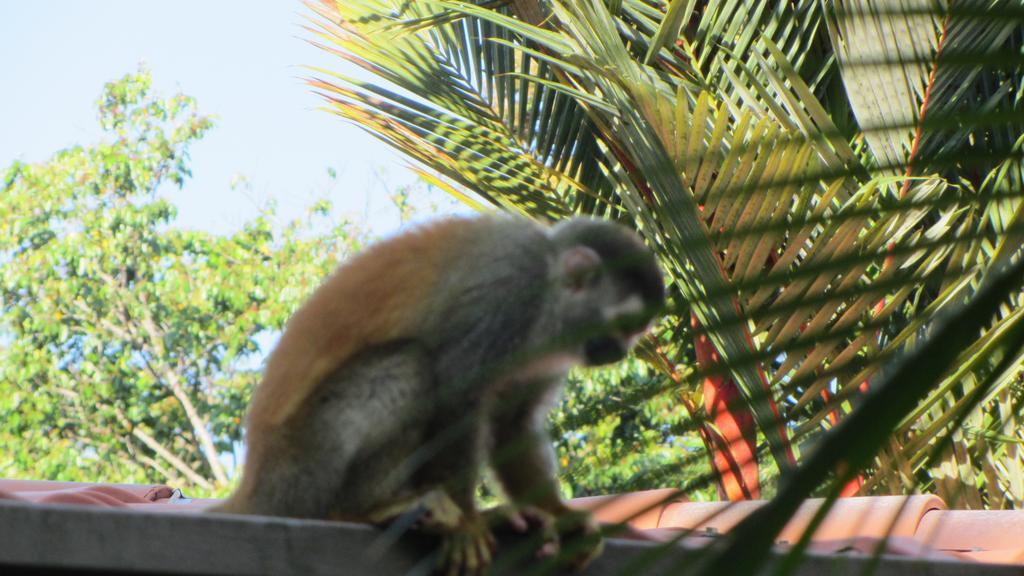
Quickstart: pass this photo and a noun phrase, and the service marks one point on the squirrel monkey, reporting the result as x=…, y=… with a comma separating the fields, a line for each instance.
x=432, y=354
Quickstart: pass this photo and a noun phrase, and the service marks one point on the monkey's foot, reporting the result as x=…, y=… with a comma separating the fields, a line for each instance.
x=467, y=550
x=580, y=538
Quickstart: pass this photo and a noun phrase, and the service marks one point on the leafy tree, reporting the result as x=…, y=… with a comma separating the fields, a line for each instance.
x=130, y=346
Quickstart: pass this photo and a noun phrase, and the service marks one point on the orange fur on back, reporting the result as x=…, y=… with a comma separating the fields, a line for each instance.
x=376, y=297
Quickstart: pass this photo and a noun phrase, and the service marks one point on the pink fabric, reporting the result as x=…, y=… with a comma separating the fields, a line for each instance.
x=136, y=496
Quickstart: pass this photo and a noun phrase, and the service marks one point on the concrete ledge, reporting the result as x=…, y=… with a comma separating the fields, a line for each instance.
x=83, y=539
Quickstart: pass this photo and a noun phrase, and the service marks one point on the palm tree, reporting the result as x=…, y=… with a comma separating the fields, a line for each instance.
x=822, y=181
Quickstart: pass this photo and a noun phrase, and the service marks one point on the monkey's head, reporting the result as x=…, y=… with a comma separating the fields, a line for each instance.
x=609, y=285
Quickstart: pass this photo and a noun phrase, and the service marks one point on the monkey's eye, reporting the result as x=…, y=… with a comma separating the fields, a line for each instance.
x=585, y=279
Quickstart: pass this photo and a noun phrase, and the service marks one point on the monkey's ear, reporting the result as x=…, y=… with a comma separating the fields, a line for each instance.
x=579, y=265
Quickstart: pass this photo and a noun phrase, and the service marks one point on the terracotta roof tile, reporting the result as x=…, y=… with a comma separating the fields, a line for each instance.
x=917, y=526
x=983, y=535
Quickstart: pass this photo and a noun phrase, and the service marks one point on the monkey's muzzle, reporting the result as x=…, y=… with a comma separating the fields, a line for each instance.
x=603, y=350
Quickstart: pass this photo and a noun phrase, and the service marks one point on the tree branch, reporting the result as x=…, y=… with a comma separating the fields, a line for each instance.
x=160, y=370
x=104, y=323
x=174, y=382
x=164, y=453
x=168, y=476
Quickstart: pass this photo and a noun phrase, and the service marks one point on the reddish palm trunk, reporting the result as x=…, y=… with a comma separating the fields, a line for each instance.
x=732, y=439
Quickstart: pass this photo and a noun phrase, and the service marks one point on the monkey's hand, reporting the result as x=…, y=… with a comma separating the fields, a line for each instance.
x=467, y=548
x=528, y=521
x=579, y=537
x=570, y=536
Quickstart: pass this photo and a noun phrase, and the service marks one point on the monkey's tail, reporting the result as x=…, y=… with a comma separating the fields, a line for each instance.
x=233, y=504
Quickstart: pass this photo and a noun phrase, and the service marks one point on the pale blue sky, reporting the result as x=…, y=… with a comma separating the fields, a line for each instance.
x=240, y=60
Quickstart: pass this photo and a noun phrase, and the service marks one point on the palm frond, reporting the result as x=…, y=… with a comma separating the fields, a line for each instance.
x=902, y=64
x=821, y=180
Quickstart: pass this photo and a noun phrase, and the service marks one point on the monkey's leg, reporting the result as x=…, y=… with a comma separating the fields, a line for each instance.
x=381, y=406
x=341, y=455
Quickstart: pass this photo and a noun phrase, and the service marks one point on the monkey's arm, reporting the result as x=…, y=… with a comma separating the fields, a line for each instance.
x=524, y=461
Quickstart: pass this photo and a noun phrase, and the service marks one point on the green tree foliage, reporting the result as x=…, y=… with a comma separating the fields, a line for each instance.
x=129, y=345
x=620, y=430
